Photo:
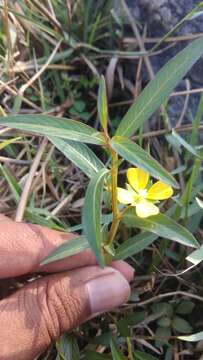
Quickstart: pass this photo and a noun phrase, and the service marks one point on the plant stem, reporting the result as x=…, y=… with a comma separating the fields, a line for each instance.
x=116, y=223
x=115, y=210
x=113, y=230
x=114, y=176
x=130, y=350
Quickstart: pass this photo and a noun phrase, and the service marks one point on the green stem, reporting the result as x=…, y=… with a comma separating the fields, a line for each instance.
x=115, y=224
x=130, y=350
x=114, y=176
x=115, y=210
x=113, y=230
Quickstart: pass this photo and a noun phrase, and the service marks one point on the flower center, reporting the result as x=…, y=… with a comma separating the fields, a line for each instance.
x=142, y=193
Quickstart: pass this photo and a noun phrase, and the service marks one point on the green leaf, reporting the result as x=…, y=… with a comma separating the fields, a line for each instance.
x=185, y=307
x=102, y=103
x=195, y=13
x=164, y=322
x=185, y=144
x=79, y=106
x=163, y=226
x=173, y=142
x=134, y=245
x=116, y=354
x=128, y=320
x=196, y=122
x=157, y=91
x=91, y=216
x=196, y=256
x=52, y=126
x=68, y=248
x=36, y=24
x=162, y=309
x=193, y=337
x=139, y=355
x=103, y=339
x=162, y=334
x=133, y=153
x=181, y=325
x=7, y=142
x=80, y=154
x=92, y=355
x=189, y=189
x=67, y=348
x=34, y=216
x=12, y=183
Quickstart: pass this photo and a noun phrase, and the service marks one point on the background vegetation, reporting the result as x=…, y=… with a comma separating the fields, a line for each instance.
x=52, y=54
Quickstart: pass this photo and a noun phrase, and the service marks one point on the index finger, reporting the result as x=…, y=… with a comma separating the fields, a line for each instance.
x=23, y=246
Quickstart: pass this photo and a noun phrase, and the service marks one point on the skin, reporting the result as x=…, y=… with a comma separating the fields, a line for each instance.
x=70, y=292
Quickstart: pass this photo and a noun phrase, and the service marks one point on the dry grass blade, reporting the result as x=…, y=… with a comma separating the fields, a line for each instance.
x=40, y=72
x=25, y=193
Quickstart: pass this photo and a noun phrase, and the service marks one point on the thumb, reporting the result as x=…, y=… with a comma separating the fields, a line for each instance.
x=38, y=313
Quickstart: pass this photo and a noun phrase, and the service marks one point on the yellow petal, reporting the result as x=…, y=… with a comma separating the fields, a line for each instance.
x=124, y=196
x=159, y=191
x=137, y=178
x=146, y=208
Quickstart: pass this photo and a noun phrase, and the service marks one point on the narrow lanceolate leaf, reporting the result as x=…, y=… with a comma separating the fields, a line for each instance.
x=196, y=256
x=91, y=216
x=102, y=103
x=135, y=245
x=193, y=337
x=51, y=126
x=80, y=154
x=163, y=226
x=159, y=88
x=68, y=248
x=133, y=153
x=185, y=144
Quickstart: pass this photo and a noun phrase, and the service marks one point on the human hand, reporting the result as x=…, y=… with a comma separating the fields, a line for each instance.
x=74, y=289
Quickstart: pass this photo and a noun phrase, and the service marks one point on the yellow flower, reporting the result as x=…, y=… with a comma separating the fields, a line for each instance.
x=137, y=194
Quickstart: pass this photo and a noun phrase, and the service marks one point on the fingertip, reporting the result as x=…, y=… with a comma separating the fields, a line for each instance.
x=107, y=292
x=125, y=269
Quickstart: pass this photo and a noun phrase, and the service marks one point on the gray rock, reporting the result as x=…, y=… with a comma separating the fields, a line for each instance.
x=161, y=16
x=166, y=13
